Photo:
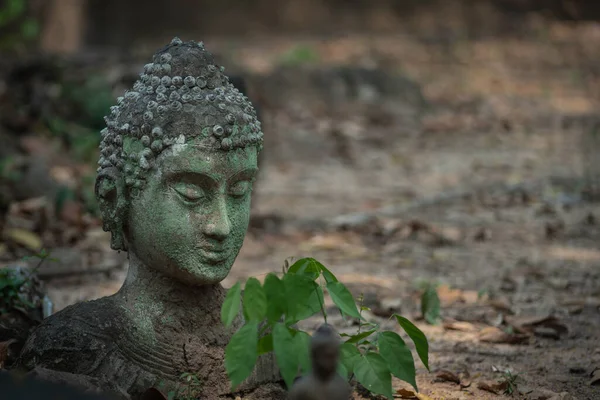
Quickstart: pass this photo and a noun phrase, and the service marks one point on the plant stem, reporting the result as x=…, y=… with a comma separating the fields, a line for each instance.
x=359, y=327
x=322, y=303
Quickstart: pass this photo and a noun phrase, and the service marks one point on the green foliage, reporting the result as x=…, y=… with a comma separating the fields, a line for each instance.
x=95, y=97
x=21, y=28
x=87, y=194
x=398, y=356
x=231, y=305
x=241, y=353
x=417, y=337
x=11, y=10
x=13, y=281
x=9, y=170
x=189, y=387
x=83, y=141
x=299, y=55
x=430, y=305
x=255, y=308
x=373, y=373
x=510, y=381
x=271, y=311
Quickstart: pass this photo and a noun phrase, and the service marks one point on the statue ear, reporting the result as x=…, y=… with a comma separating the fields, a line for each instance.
x=110, y=192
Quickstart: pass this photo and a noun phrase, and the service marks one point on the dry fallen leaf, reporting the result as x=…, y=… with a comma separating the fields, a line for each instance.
x=421, y=396
x=465, y=379
x=409, y=394
x=25, y=238
x=493, y=387
x=405, y=394
x=496, y=335
x=449, y=296
x=501, y=304
x=542, y=325
x=448, y=376
x=462, y=326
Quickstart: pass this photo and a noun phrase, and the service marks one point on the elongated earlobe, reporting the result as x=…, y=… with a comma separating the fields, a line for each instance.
x=110, y=193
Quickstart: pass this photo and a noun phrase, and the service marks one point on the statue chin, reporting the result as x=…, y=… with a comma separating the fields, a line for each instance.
x=197, y=275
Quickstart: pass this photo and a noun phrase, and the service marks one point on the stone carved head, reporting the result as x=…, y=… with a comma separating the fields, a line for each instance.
x=178, y=159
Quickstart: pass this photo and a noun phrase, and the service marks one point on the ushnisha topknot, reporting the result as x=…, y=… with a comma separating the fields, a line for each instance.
x=181, y=95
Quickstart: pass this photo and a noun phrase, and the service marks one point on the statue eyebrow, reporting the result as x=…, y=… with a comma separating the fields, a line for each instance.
x=248, y=173
x=191, y=177
x=203, y=177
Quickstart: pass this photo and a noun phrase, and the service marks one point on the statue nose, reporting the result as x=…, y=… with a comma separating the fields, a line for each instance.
x=218, y=224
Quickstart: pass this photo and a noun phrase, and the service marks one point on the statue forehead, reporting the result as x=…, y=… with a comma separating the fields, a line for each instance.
x=194, y=157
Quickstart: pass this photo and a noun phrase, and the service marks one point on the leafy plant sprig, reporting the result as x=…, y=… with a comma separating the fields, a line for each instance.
x=272, y=309
x=11, y=282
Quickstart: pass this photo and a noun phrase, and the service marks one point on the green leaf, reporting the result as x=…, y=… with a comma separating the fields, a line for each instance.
x=372, y=372
x=417, y=337
x=11, y=280
x=307, y=267
x=342, y=298
x=231, y=305
x=302, y=343
x=241, y=353
x=398, y=356
x=276, y=302
x=285, y=353
x=265, y=344
x=343, y=371
x=255, y=301
x=349, y=355
x=30, y=28
x=329, y=277
x=303, y=297
x=430, y=305
x=360, y=336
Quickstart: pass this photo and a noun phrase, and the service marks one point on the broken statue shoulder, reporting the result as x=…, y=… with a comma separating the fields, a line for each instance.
x=177, y=162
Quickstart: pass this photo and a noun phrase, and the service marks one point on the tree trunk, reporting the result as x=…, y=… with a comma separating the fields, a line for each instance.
x=63, y=28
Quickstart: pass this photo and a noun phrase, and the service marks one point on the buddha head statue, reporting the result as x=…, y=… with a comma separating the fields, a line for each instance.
x=177, y=163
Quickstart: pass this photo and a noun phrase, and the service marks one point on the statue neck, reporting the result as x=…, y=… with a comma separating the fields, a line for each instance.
x=151, y=295
x=323, y=374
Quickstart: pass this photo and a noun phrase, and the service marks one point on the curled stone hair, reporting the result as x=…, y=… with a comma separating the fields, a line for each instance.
x=181, y=95
x=182, y=83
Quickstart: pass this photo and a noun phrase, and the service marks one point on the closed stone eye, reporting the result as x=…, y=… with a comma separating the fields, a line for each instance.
x=189, y=192
x=240, y=188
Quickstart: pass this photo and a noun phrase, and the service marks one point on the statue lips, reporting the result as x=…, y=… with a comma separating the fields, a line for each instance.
x=214, y=255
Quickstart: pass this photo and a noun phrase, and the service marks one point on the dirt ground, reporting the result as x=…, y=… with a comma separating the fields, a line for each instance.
x=481, y=194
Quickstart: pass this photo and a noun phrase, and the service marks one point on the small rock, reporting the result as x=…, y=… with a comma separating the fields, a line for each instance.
x=577, y=370
x=544, y=332
x=544, y=394
x=562, y=396
x=493, y=387
x=595, y=377
x=483, y=235
x=541, y=394
x=353, y=221
x=387, y=307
